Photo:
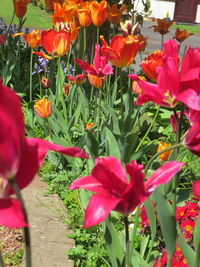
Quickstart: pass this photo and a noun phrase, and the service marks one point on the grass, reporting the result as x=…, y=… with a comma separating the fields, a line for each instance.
x=190, y=28
x=35, y=17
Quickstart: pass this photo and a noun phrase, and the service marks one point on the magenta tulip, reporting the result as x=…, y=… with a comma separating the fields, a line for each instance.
x=196, y=189
x=100, y=66
x=20, y=157
x=114, y=192
x=174, y=83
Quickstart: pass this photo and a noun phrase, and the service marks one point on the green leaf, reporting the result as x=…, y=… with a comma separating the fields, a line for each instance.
x=137, y=260
x=92, y=145
x=143, y=245
x=150, y=210
x=167, y=221
x=112, y=147
x=196, y=235
x=113, y=243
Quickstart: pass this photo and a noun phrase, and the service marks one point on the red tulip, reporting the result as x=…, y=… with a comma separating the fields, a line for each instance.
x=20, y=157
x=113, y=191
x=122, y=50
x=100, y=66
x=56, y=43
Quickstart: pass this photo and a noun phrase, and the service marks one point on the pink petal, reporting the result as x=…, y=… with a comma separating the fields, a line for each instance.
x=11, y=214
x=89, y=183
x=44, y=146
x=190, y=98
x=85, y=66
x=191, y=74
x=98, y=209
x=170, y=49
x=97, y=58
x=196, y=188
x=192, y=139
x=163, y=175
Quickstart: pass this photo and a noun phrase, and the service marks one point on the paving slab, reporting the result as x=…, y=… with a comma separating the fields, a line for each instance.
x=48, y=231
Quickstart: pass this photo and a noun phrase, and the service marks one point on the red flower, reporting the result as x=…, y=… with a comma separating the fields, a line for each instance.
x=187, y=227
x=112, y=190
x=20, y=157
x=78, y=79
x=173, y=84
x=100, y=66
x=55, y=43
x=151, y=63
x=122, y=50
x=2, y=39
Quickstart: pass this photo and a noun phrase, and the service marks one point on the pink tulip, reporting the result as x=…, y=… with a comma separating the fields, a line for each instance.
x=174, y=84
x=100, y=66
x=196, y=189
x=20, y=157
x=114, y=192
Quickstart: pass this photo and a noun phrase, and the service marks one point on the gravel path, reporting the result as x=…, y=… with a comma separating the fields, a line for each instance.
x=48, y=231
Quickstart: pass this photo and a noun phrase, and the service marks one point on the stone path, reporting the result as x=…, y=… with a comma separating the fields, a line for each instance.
x=48, y=231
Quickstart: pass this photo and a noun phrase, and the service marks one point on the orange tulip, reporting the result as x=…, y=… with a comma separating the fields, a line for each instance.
x=84, y=15
x=96, y=81
x=89, y=125
x=56, y=43
x=122, y=50
x=164, y=156
x=20, y=7
x=62, y=13
x=49, y=3
x=43, y=108
x=181, y=35
x=136, y=88
x=150, y=64
x=33, y=38
x=162, y=26
x=98, y=12
x=114, y=14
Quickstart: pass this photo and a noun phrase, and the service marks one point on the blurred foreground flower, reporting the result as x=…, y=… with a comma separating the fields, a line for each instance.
x=43, y=108
x=164, y=156
x=20, y=157
x=56, y=43
x=113, y=191
x=181, y=35
x=20, y=7
x=122, y=50
x=196, y=189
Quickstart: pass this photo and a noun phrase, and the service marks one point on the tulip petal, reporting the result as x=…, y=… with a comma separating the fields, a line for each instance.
x=114, y=166
x=89, y=183
x=196, y=188
x=163, y=175
x=192, y=139
x=11, y=213
x=85, y=66
x=44, y=146
x=98, y=209
x=190, y=98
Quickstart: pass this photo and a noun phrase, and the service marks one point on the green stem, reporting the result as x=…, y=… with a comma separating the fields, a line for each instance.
x=99, y=114
x=162, y=39
x=121, y=95
x=197, y=258
x=30, y=76
x=158, y=154
x=137, y=215
x=150, y=249
x=149, y=129
x=97, y=35
x=26, y=229
x=127, y=259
